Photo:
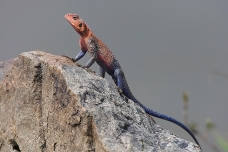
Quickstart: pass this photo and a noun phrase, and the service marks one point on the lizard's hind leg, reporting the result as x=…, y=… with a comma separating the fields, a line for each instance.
x=101, y=72
x=118, y=79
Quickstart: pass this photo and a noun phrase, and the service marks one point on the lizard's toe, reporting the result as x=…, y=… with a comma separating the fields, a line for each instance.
x=72, y=59
x=119, y=90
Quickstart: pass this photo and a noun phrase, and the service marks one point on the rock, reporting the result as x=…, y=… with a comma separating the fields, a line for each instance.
x=47, y=103
x=4, y=66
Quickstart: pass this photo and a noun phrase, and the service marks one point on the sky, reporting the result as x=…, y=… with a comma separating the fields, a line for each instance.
x=164, y=47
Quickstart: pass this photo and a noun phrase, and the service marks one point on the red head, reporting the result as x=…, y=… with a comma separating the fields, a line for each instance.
x=78, y=24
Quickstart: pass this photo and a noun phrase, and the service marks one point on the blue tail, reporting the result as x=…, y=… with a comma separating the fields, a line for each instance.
x=164, y=117
x=121, y=82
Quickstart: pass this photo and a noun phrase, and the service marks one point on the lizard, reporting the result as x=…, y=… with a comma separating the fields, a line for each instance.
x=107, y=62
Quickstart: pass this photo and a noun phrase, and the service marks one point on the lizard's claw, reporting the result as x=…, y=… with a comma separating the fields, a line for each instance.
x=72, y=59
x=119, y=90
x=79, y=65
x=87, y=69
x=84, y=67
x=152, y=118
x=121, y=93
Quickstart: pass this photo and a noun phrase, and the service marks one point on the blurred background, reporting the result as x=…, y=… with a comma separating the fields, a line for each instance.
x=166, y=48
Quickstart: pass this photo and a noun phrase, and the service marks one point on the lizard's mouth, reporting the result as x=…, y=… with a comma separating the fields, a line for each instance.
x=67, y=16
x=69, y=19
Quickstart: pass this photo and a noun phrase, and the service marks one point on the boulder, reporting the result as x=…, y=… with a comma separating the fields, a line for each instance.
x=48, y=103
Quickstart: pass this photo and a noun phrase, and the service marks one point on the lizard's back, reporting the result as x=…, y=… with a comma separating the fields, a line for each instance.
x=105, y=57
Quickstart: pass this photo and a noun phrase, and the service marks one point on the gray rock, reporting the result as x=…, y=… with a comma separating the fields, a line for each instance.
x=47, y=103
x=4, y=66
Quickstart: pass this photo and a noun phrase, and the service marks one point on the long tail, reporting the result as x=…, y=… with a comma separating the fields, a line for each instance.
x=121, y=82
x=165, y=117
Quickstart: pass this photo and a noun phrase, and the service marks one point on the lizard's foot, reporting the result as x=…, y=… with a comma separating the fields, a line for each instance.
x=151, y=118
x=87, y=69
x=84, y=67
x=79, y=65
x=121, y=93
x=72, y=59
x=119, y=90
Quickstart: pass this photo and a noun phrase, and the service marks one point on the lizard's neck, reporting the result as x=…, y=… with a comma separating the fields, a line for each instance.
x=89, y=34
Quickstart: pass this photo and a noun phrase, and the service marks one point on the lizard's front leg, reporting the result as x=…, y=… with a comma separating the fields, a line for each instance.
x=89, y=63
x=101, y=72
x=79, y=56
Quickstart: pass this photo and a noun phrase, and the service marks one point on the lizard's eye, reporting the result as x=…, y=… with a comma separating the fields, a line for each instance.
x=80, y=25
x=75, y=17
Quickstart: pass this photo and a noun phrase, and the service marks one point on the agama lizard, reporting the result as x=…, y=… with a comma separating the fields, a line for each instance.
x=108, y=63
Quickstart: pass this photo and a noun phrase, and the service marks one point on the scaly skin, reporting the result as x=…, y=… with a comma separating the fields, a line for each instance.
x=108, y=63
